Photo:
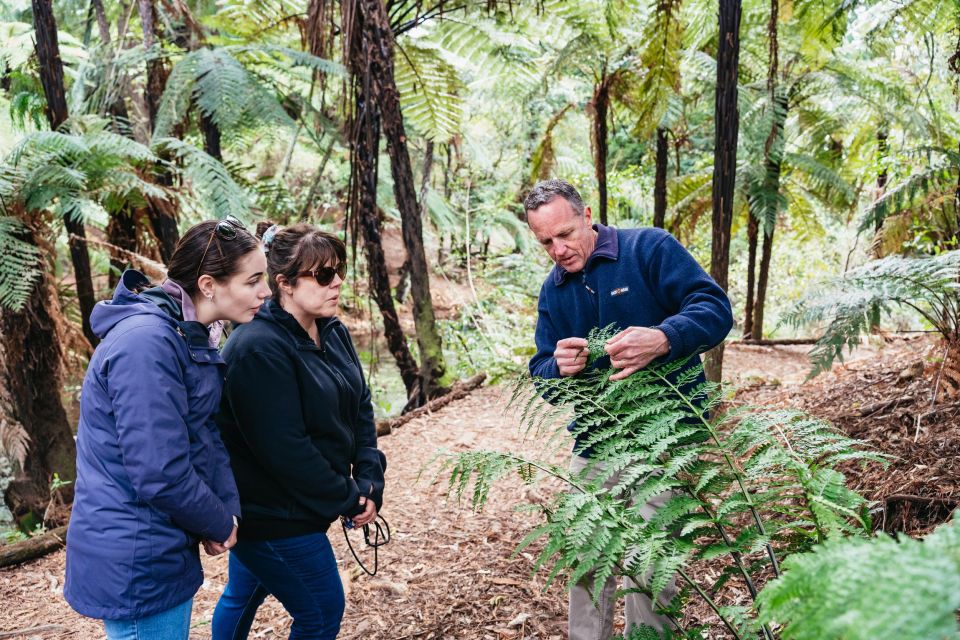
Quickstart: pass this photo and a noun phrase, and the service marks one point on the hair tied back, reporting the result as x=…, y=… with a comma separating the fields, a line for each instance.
x=268, y=237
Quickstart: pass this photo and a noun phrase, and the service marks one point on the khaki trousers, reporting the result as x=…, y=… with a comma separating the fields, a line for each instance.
x=589, y=622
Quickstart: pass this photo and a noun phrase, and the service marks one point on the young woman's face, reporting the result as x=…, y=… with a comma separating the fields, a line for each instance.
x=239, y=297
x=312, y=298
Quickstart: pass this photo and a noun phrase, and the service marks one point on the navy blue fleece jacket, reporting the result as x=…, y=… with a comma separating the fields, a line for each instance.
x=633, y=278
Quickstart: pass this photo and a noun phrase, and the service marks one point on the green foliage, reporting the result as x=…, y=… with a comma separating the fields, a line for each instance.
x=742, y=484
x=19, y=264
x=429, y=89
x=853, y=305
x=208, y=179
x=661, y=58
x=857, y=589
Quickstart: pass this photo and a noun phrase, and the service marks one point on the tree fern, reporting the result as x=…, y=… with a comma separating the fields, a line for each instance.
x=853, y=305
x=661, y=59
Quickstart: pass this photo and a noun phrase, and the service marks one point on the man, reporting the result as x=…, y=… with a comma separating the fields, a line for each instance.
x=663, y=304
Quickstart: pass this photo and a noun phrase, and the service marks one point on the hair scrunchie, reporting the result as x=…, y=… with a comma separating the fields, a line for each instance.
x=268, y=237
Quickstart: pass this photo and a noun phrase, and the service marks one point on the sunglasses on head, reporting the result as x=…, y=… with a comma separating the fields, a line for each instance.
x=324, y=275
x=226, y=229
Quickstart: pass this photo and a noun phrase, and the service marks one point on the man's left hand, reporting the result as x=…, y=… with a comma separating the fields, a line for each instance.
x=634, y=348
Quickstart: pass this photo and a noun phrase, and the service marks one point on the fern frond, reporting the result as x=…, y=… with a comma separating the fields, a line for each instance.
x=859, y=589
x=429, y=89
x=19, y=264
x=208, y=179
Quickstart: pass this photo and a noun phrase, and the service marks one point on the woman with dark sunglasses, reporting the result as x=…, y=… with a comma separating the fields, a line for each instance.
x=297, y=420
x=153, y=477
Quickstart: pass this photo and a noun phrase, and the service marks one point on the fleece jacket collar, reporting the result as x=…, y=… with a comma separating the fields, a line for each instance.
x=607, y=247
x=273, y=312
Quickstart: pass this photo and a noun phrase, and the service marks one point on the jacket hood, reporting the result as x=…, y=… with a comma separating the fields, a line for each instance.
x=131, y=298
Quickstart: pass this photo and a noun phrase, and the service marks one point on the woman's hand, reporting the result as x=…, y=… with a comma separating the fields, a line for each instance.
x=369, y=512
x=216, y=548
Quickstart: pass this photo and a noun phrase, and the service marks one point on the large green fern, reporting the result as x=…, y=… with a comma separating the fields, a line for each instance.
x=748, y=485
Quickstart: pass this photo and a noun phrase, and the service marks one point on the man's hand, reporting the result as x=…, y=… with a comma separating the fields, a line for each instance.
x=634, y=348
x=571, y=355
x=369, y=512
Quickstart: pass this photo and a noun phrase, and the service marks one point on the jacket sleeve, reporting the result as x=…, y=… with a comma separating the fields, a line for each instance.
x=263, y=393
x=369, y=464
x=145, y=383
x=225, y=485
x=700, y=311
x=543, y=364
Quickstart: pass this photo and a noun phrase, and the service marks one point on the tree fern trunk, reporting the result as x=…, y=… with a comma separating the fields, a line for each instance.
x=767, y=253
x=773, y=155
x=883, y=148
x=364, y=159
x=51, y=77
x=753, y=230
x=600, y=105
x=162, y=216
x=30, y=388
x=378, y=37
x=727, y=121
x=660, y=180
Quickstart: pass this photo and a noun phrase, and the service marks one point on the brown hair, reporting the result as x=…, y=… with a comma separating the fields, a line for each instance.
x=202, y=251
x=301, y=247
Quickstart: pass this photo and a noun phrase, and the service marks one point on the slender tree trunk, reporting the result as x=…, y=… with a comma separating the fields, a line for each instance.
x=883, y=148
x=31, y=385
x=753, y=231
x=599, y=106
x=162, y=216
x=727, y=121
x=370, y=226
x=378, y=37
x=122, y=227
x=762, y=284
x=364, y=139
x=660, y=180
x=51, y=77
x=403, y=287
x=211, y=136
x=773, y=156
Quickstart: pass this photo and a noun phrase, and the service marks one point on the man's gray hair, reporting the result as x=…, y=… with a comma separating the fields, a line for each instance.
x=548, y=190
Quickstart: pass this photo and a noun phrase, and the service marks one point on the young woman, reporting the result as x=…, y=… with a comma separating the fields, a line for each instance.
x=153, y=478
x=297, y=420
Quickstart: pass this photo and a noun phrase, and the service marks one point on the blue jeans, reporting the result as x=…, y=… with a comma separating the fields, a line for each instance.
x=300, y=572
x=172, y=624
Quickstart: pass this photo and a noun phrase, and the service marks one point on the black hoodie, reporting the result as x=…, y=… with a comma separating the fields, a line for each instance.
x=298, y=423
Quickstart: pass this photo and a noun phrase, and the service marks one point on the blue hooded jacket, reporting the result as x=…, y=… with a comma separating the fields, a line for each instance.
x=153, y=477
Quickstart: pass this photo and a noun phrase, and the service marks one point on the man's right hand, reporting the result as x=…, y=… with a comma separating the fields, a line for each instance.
x=571, y=355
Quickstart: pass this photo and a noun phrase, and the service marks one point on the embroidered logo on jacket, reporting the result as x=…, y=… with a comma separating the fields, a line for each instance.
x=619, y=291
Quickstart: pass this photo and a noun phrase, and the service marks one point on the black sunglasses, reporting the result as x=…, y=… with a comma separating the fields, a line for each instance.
x=324, y=275
x=226, y=229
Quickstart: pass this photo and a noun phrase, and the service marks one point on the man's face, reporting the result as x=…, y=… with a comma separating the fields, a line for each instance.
x=567, y=237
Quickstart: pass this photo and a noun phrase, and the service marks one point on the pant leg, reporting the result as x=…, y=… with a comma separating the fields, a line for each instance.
x=238, y=604
x=300, y=572
x=590, y=622
x=587, y=621
x=638, y=607
x=172, y=624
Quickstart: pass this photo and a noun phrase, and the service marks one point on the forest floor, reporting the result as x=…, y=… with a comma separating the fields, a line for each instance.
x=450, y=572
